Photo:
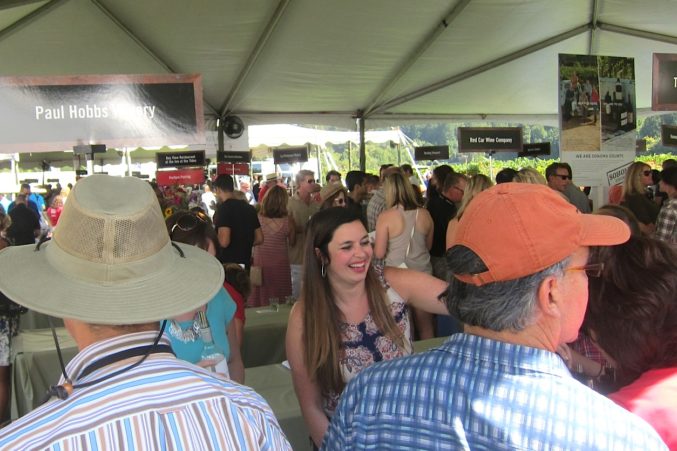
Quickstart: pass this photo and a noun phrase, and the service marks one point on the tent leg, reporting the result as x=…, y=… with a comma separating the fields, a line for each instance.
x=363, y=156
x=350, y=150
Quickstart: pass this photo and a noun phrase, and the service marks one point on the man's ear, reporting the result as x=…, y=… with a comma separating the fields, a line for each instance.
x=549, y=296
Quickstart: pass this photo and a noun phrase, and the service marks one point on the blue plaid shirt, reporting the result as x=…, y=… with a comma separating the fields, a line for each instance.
x=477, y=393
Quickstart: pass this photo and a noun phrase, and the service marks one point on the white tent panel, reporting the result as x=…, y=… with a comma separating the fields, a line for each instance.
x=487, y=30
x=326, y=55
x=73, y=38
x=213, y=38
x=12, y=15
x=497, y=91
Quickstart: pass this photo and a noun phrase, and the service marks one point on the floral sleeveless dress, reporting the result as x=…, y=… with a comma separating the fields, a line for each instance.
x=363, y=345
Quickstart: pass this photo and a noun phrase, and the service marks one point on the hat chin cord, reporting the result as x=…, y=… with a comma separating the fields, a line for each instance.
x=63, y=391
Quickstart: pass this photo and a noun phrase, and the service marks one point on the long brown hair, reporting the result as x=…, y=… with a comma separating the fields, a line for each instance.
x=321, y=316
x=632, y=308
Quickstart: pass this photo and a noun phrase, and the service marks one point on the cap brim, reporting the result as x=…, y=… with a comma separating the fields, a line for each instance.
x=184, y=285
x=601, y=230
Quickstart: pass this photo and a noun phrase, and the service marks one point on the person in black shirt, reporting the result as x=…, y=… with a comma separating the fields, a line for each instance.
x=237, y=224
x=25, y=223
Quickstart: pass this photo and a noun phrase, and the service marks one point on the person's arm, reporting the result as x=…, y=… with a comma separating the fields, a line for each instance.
x=307, y=390
x=431, y=228
x=381, y=240
x=224, y=236
x=418, y=289
x=235, y=364
x=258, y=236
x=291, y=236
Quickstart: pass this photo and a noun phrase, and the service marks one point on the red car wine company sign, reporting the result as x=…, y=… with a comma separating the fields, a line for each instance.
x=40, y=114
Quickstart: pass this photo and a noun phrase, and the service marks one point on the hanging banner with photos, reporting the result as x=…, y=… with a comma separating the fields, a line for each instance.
x=41, y=114
x=597, y=115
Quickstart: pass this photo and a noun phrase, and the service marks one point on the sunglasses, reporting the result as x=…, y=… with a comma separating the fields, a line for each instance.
x=591, y=269
x=310, y=180
x=646, y=173
x=563, y=177
x=189, y=222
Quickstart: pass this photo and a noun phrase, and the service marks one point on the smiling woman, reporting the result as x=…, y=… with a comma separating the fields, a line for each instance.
x=347, y=317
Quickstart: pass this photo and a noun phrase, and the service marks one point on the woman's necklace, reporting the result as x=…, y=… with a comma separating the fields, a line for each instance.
x=185, y=335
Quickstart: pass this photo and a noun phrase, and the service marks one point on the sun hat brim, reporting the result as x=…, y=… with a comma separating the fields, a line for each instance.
x=181, y=285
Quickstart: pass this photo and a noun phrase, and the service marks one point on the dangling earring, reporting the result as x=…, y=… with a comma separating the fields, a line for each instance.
x=324, y=271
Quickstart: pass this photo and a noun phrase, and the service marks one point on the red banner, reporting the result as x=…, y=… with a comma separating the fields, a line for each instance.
x=180, y=177
x=232, y=168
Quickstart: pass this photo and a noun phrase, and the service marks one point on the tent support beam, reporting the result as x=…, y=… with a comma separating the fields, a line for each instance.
x=479, y=69
x=593, y=23
x=140, y=43
x=414, y=56
x=9, y=4
x=25, y=20
x=254, y=55
x=669, y=39
x=363, y=150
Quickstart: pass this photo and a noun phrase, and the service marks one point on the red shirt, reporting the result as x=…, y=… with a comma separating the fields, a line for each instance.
x=239, y=301
x=654, y=398
x=54, y=215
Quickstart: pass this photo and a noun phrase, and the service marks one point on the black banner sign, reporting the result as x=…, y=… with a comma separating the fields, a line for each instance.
x=290, y=155
x=29, y=181
x=55, y=113
x=230, y=156
x=535, y=149
x=81, y=172
x=669, y=135
x=487, y=139
x=180, y=159
x=431, y=153
x=664, y=86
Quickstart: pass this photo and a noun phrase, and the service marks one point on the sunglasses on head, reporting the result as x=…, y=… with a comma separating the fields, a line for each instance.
x=189, y=222
x=563, y=177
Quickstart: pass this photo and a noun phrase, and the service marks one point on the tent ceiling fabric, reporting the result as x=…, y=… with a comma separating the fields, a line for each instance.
x=325, y=61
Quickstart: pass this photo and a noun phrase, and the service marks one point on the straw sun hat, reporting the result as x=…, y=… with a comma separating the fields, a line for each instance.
x=110, y=260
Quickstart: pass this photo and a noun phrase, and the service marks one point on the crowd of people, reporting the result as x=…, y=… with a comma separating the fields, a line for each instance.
x=373, y=263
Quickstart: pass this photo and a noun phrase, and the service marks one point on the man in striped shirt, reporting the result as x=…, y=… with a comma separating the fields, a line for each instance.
x=112, y=274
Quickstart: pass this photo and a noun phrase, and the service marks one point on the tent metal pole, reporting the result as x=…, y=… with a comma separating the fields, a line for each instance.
x=142, y=44
x=350, y=150
x=593, y=23
x=254, y=55
x=410, y=60
x=638, y=33
x=363, y=155
x=479, y=69
x=29, y=17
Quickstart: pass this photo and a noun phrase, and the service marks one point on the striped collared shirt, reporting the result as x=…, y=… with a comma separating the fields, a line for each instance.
x=477, y=393
x=164, y=403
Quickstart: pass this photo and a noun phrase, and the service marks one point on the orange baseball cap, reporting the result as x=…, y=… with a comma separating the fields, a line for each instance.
x=519, y=229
